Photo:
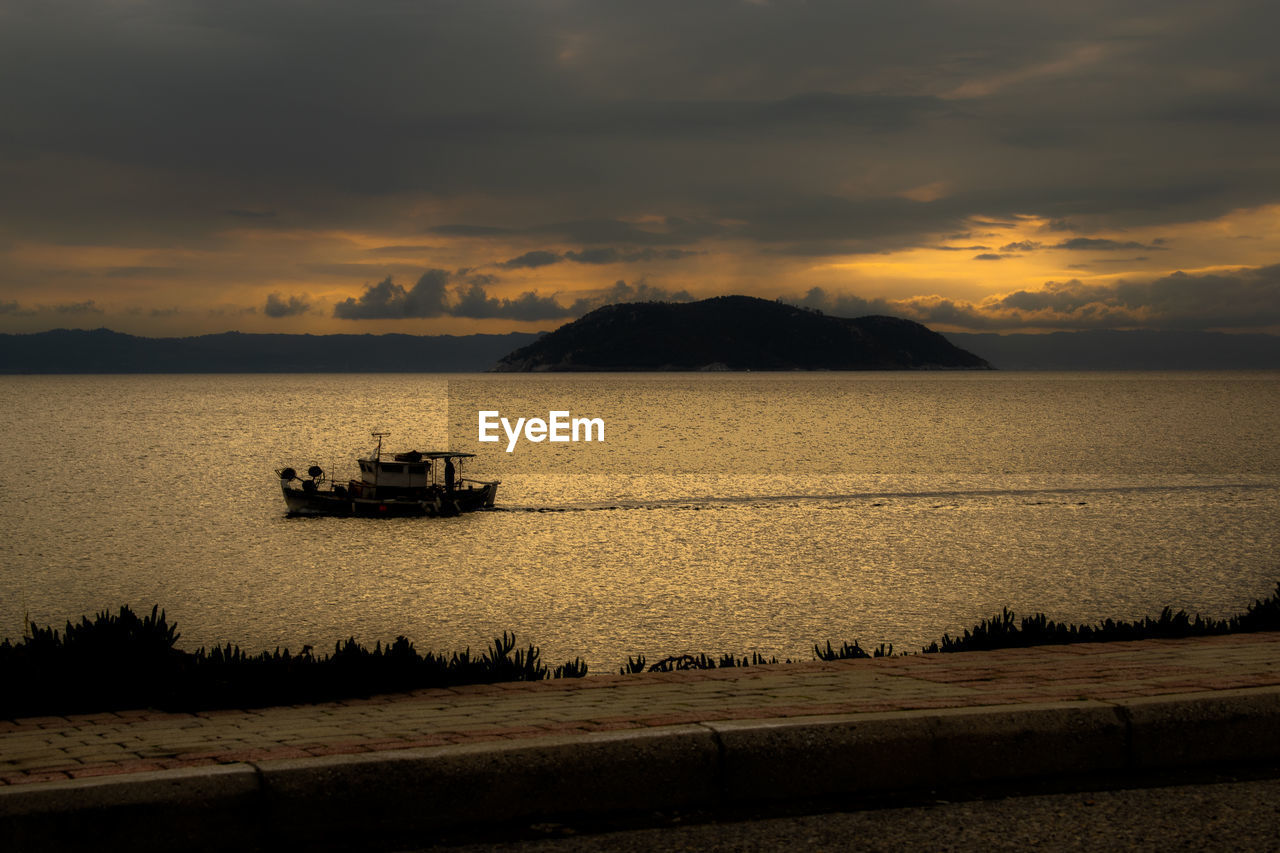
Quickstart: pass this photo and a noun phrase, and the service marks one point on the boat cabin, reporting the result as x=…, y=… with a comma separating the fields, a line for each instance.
x=410, y=472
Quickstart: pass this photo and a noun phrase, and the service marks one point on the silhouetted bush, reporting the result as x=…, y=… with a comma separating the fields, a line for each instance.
x=112, y=662
x=699, y=661
x=122, y=661
x=1005, y=631
x=850, y=651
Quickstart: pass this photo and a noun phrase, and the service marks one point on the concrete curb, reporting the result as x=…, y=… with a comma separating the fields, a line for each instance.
x=405, y=796
x=1203, y=728
x=411, y=793
x=900, y=751
x=195, y=808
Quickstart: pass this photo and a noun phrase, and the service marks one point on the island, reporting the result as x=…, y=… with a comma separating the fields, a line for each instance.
x=736, y=333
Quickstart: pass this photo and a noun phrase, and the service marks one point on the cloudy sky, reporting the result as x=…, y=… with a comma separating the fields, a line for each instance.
x=179, y=167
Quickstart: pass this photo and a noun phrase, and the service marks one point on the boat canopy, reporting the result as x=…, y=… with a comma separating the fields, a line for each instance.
x=419, y=455
x=411, y=455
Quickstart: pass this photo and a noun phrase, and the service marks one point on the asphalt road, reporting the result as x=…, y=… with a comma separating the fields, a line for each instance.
x=1218, y=815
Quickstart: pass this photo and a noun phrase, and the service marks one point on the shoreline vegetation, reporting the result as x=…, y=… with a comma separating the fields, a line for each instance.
x=126, y=661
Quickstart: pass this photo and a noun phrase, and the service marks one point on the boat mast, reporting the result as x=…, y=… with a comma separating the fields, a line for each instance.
x=377, y=459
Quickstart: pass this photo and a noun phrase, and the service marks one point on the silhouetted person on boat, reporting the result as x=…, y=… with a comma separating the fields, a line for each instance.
x=448, y=475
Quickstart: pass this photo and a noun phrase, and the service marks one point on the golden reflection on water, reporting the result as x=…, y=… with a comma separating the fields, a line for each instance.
x=740, y=513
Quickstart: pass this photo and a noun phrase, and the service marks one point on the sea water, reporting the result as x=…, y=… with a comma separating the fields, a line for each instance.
x=721, y=513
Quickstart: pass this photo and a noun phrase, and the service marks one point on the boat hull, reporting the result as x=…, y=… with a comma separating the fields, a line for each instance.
x=327, y=502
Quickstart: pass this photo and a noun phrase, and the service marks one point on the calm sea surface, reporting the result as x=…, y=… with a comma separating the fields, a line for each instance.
x=725, y=512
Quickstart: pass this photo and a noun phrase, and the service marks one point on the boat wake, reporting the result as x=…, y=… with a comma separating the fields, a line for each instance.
x=1074, y=496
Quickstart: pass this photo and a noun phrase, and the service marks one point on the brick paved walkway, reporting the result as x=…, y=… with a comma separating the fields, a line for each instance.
x=54, y=748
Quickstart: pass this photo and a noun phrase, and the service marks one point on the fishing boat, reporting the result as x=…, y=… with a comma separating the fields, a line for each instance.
x=415, y=483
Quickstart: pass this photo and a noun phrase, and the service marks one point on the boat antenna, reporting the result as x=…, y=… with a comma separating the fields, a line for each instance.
x=377, y=453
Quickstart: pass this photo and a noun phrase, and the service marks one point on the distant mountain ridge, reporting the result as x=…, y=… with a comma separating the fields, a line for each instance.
x=105, y=351
x=1139, y=349
x=736, y=333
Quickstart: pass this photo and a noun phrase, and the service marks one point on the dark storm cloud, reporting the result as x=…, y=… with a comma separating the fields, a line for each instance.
x=826, y=224
x=399, y=250
x=1247, y=298
x=165, y=120
x=531, y=260
x=475, y=302
x=809, y=112
x=594, y=256
x=938, y=310
x=88, y=306
x=613, y=256
x=278, y=306
x=621, y=291
x=598, y=257
x=1092, y=244
x=673, y=231
x=471, y=299
x=988, y=256
x=388, y=300
x=843, y=304
x=1097, y=244
x=432, y=297
x=703, y=119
